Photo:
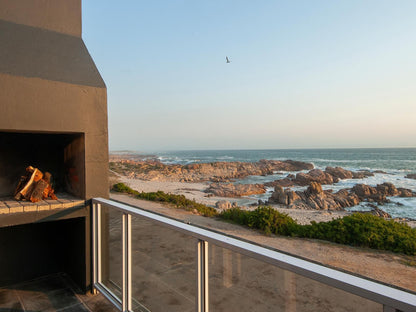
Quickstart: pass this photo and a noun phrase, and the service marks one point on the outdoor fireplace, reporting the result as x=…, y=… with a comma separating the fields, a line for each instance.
x=60, y=154
x=53, y=116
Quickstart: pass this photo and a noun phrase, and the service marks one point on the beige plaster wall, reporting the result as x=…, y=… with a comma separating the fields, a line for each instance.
x=36, y=104
x=62, y=16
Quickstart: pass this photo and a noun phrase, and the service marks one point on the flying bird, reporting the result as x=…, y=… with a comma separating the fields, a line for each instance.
x=227, y=60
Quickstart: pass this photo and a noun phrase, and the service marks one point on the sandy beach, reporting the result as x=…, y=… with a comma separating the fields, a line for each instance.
x=195, y=191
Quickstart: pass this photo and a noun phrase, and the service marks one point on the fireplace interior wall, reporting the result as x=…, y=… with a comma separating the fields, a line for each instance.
x=61, y=154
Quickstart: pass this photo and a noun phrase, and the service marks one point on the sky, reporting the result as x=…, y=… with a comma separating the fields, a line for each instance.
x=303, y=74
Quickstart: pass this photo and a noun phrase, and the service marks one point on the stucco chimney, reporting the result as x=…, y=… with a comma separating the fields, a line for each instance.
x=63, y=16
x=49, y=84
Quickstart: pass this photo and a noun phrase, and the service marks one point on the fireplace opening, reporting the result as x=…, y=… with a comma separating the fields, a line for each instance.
x=61, y=154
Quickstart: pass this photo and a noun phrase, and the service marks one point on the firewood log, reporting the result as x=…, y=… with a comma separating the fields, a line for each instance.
x=35, y=186
x=49, y=192
x=38, y=190
x=22, y=182
x=28, y=188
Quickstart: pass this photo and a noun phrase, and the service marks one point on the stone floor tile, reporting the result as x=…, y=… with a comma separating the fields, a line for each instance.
x=98, y=303
x=43, y=284
x=9, y=301
x=35, y=301
x=63, y=298
x=80, y=307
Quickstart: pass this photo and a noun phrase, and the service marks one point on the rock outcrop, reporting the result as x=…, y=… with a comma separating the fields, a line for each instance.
x=403, y=192
x=235, y=190
x=329, y=176
x=380, y=213
x=411, y=176
x=315, y=175
x=380, y=193
x=313, y=198
x=339, y=173
x=316, y=198
x=224, y=204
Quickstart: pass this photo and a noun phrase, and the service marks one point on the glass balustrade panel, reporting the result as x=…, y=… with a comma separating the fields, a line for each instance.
x=163, y=268
x=241, y=283
x=112, y=250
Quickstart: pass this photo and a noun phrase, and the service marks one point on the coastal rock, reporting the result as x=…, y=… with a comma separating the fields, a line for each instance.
x=235, y=190
x=152, y=170
x=315, y=175
x=284, y=197
x=313, y=198
x=379, y=193
x=387, y=189
x=411, y=176
x=364, y=191
x=403, y=192
x=379, y=171
x=223, y=204
x=285, y=182
x=314, y=188
x=362, y=174
x=329, y=176
x=339, y=173
x=278, y=196
x=287, y=165
x=345, y=198
x=375, y=211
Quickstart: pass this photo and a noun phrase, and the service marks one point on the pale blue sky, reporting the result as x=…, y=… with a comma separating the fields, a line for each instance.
x=303, y=74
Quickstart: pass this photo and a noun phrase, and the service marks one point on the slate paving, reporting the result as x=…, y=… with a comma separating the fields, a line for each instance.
x=52, y=293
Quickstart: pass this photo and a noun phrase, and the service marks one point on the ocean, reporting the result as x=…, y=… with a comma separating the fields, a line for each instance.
x=395, y=163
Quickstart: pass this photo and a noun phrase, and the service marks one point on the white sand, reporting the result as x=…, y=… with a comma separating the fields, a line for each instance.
x=195, y=191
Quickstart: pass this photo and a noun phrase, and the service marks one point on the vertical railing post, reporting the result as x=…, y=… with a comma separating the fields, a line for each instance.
x=96, y=243
x=202, y=276
x=126, y=301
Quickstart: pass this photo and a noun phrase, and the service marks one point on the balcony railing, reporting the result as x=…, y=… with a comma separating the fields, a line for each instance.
x=147, y=262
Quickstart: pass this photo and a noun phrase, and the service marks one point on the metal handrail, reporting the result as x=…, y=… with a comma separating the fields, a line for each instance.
x=391, y=298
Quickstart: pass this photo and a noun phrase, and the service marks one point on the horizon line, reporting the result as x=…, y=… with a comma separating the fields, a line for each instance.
x=257, y=149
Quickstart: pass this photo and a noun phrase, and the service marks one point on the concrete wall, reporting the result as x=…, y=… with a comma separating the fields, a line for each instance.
x=35, y=104
x=63, y=16
x=49, y=83
x=34, y=52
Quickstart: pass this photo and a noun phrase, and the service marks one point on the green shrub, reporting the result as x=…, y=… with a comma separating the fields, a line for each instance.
x=122, y=188
x=270, y=220
x=363, y=230
x=235, y=215
x=264, y=218
x=179, y=201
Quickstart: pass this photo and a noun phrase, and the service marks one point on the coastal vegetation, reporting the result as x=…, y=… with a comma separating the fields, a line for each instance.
x=179, y=201
x=358, y=229
x=362, y=230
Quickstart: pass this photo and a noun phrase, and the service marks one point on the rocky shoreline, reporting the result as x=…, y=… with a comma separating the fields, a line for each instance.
x=219, y=180
x=153, y=170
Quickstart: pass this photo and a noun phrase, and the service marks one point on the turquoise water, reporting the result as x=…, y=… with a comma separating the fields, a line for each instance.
x=395, y=162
